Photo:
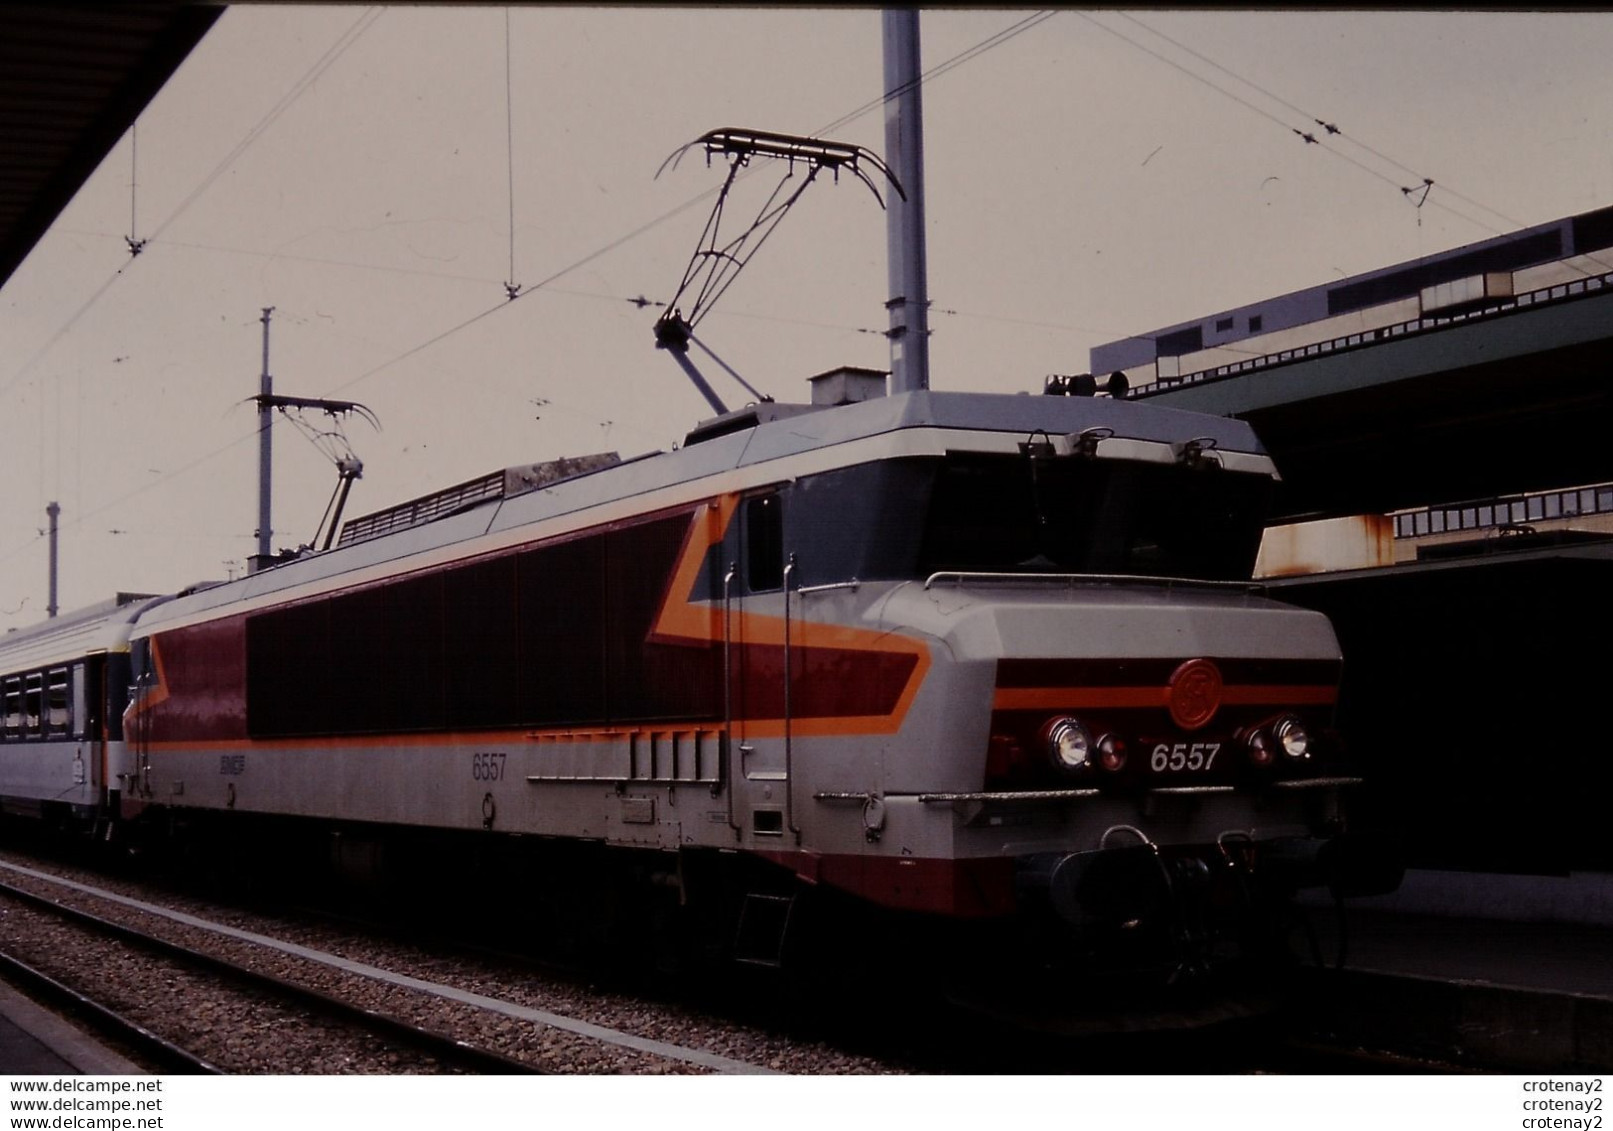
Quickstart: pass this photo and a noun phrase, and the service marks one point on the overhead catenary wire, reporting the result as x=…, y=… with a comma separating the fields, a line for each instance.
x=39, y=355
x=348, y=37
x=1330, y=128
x=482, y=280
x=343, y=42
x=340, y=47
x=511, y=287
x=86, y=515
x=962, y=57
x=1002, y=36
x=991, y=42
x=1419, y=193
x=1303, y=131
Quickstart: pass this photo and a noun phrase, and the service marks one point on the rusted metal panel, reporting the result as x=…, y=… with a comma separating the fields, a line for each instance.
x=1362, y=541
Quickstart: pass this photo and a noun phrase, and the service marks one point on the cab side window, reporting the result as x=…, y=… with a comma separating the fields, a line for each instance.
x=764, y=543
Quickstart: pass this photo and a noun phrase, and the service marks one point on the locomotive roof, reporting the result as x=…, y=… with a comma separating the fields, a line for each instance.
x=992, y=412
x=729, y=453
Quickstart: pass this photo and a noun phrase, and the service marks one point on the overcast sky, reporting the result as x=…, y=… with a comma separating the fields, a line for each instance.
x=1092, y=175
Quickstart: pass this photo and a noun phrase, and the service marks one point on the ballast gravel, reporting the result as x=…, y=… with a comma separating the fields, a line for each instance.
x=244, y=1033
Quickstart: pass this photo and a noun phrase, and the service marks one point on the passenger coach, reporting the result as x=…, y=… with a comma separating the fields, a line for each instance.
x=64, y=685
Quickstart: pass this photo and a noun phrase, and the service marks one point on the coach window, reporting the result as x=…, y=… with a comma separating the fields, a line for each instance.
x=764, y=543
x=58, y=699
x=11, y=718
x=80, y=712
x=33, y=700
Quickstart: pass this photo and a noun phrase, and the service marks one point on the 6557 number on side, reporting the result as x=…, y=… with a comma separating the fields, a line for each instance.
x=487, y=766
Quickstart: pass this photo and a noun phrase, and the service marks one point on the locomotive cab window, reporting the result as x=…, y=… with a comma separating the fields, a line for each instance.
x=764, y=543
x=1002, y=513
x=142, y=670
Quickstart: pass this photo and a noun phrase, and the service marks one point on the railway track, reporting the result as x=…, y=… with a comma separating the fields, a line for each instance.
x=953, y=1037
x=537, y=1017
x=222, y=982
x=450, y=1017
x=141, y=1045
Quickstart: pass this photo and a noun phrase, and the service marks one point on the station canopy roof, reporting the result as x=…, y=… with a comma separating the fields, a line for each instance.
x=73, y=78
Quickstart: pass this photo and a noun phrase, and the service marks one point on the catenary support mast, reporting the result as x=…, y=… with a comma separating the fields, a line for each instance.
x=53, y=512
x=265, y=449
x=904, y=221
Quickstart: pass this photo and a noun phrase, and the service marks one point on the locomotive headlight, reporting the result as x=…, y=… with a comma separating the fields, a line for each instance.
x=1069, y=744
x=1292, y=736
x=1112, y=752
x=1259, y=748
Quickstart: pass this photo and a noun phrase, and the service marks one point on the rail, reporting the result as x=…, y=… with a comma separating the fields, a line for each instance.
x=157, y=1050
x=447, y=1048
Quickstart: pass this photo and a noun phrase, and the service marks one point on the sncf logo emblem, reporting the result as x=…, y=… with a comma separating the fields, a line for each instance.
x=1195, y=694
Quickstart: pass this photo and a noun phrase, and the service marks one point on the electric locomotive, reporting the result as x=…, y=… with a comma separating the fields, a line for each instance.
x=992, y=662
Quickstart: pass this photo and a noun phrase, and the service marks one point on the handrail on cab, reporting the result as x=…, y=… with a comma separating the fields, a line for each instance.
x=966, y=577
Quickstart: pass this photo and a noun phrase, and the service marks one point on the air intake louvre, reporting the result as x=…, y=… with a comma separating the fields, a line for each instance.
x=503, y=484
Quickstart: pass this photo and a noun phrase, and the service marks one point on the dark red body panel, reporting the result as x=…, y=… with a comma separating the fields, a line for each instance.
x=554, y=635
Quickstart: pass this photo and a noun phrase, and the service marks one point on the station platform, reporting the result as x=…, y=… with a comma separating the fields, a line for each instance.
x=1508, y=988
x=1543, y=957
x=36, y=1042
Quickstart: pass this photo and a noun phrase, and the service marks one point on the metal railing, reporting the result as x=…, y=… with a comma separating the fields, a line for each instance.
x=1505, y=511
x=419, y=511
